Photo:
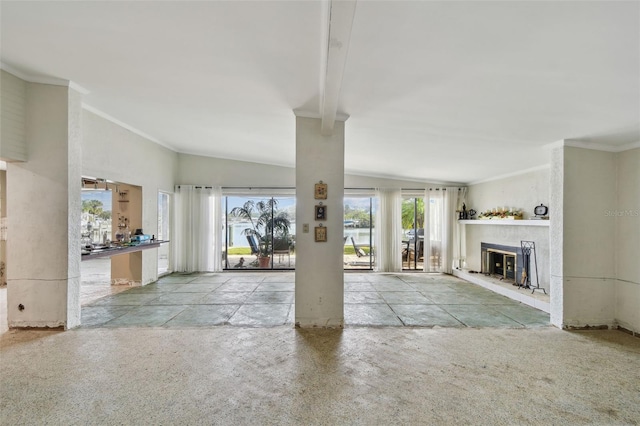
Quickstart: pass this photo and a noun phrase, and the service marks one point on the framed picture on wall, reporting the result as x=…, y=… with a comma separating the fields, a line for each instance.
x=321, y=212
x=321, y=234
x=320, y=191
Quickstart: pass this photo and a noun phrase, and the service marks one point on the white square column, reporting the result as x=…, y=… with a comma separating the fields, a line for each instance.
x=44, y=208
x=582, y=237
x=319, y=287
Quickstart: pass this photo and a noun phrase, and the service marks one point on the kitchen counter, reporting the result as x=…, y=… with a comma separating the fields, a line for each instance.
x=114, y=251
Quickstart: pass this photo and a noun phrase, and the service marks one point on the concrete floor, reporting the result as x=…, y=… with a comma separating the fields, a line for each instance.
x=221, y=349
x=286, y=376
x=266, y=300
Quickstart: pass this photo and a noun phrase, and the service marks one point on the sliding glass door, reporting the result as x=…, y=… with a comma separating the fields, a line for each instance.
x=359, y=227
x=260, y=232
x=413, y=245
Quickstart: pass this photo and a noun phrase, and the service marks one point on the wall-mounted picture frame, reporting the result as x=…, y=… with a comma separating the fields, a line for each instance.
x=320, y=191
x=321, y=234
x=321, y=212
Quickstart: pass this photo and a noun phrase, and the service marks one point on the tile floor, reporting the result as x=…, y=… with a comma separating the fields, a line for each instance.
x=267, y=300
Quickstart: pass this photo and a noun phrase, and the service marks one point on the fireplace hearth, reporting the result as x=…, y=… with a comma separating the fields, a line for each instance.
x=500, y=261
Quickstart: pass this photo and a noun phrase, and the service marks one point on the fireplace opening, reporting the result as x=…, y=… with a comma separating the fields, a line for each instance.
x=503, y=262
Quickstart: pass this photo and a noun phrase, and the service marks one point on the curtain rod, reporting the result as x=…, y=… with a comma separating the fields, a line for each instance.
x=258, y=187
x=197, y=186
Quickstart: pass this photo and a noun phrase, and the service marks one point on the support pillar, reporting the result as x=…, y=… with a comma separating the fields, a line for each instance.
x=319, y=288
x=582, y=237
x=44, y=208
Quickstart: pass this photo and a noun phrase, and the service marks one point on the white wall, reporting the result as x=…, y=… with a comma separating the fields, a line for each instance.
x=319, y=295
x=113, y=152
x=627, y=247
x=199, y=170
x=43, y=197
x=3, y=215
x=589, y=237
x=524, y=192
x=13, y=104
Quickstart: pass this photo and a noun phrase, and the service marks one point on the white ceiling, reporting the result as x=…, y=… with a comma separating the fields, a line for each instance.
x=435, y=91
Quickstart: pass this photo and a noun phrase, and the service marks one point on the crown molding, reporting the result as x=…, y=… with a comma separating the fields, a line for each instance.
x=349, y=172
x=629, y=146
x=340, y=116
x=11, y=70
x=43, y=79
x=126, y=126
x=574, y=143
x=508, y=175
x=306, y=114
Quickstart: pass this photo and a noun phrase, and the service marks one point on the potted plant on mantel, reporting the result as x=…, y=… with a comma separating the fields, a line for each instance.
x=267, y=225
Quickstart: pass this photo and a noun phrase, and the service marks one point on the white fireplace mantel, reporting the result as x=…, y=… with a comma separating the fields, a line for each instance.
x=504, y=222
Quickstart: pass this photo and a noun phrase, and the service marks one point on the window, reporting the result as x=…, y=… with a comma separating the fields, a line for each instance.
x=359, y=251
x=413, y=233
x=260, y=232
x=96, y=216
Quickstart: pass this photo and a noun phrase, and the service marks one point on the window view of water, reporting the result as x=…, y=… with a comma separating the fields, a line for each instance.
x=238, y=239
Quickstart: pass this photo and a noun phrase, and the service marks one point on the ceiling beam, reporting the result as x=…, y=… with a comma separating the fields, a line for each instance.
x=341, y=13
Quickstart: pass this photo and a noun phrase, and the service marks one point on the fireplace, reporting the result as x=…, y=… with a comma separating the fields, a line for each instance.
x=502, y=261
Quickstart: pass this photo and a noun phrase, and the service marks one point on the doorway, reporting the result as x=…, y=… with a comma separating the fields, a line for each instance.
x=413, y=244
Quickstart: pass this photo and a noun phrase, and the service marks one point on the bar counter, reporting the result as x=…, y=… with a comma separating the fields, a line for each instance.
x=114, y=251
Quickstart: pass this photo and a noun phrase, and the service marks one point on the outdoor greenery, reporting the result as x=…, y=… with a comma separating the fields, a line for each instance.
x=409, y=213
x=359, y=215
x=95, y=207
x=246, y=251
x=267, y=223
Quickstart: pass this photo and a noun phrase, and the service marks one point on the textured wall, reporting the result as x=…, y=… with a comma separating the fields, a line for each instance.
x=556, y=237
x=523, y=192
x=627, y=248
x=43, y=196
x=113, y=152
x=589, y=237
x=199, y=170
x=13, y=104
x=319, y=268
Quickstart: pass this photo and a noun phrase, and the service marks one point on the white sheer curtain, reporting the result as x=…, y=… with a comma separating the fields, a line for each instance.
x=194, y=237
x=388, y=230
x=218, y=228
x=439, y=234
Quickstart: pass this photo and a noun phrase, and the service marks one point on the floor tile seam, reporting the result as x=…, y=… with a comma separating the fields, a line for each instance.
x=224, y=322
x=499, y=313
x=173, y=317
x=113, y=319
x=228, y=321
x=116, y=317
x=505, y=315
x=150, y=303
x=397, y=316
x=146, y=325
x=453, y=316
x=519, y=322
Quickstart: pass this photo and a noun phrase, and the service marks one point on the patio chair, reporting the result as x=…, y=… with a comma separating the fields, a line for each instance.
x=253, y=244
x=359, y=250
x=281, y=247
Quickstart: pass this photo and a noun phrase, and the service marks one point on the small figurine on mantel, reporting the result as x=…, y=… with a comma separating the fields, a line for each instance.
x=463, y=214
